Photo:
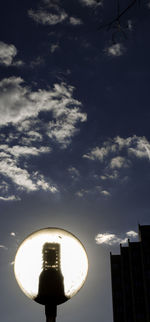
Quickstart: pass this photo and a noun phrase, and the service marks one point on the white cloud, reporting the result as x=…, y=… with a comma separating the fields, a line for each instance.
x=51, y=3
x=141, y=148
x=28, y=142
x=18, y=103
x=93, y=191
x=118, y=153
x=12, y=263
x=18, y=63
x=13, y=234
x=20, y=106
x=73, y=172
x=75, y=21
x=34, y=136
x=132, y=233
x=98, y=188
x=18, y=150
x=115, y=50
x=15, y=101
x=7, y=55
x=130, y=25
x=10, y=198
x=47, y=18
x=103, y=177
x=121, y=142
x=105, y=193
x=136, y=145
x=4, y=187
x=109, y=239
x=53, y=48
x=119, y=162
x=112, y=176
x=81, y=193
x=63, y=128
x=114, y=158
x=51, y=13
x=98, y=153
x=4, y=247
x=92, y=3
x=41, y=183
x=37, y=62
x=10, y=168
x=112, y=239
x=22, y=178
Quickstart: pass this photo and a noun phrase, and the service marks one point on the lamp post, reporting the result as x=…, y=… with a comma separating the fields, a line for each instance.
x=50, y=267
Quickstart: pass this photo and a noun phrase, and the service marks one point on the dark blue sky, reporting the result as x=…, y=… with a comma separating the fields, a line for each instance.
x=74, y=138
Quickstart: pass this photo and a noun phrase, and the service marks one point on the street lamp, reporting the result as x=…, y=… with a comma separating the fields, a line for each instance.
x=50, y=267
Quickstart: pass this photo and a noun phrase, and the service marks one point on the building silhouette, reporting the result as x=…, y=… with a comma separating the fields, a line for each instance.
x=130, y=275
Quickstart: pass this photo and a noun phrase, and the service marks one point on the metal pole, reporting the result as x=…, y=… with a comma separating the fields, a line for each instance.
x=50, y=312
x=51, y=319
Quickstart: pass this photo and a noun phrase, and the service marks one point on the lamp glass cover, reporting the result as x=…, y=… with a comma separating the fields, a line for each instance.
x=51, y=249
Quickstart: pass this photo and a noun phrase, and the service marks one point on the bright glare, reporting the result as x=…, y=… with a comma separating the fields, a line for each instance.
x=28, y=261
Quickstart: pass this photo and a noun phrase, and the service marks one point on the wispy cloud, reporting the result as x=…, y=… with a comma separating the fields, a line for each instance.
x=113, y=176
x=74, y=172
x=92, y=3
x=115, y=50
x=81, y=193
x=75, y=21
x=131, y=233
x=18, y=150
x=135, y=145
x=113, y=239
x=12, y=263
x=53, y=48
x=130, y=25
x=10, y=198
x=99, y=153
x=62, y=131
x=13, y=234
x=105, y=193
x=52, y=13
x=141, y=148
x=22, y=178
x=38, y=61
x=47, y=18
x=119, y=162
x=11, y=169
x=43, y=184
x=118, y=153
x=18, y=102
x=7, y=55
x=27, y=133
x=96, y=191
x=3, y=247
x=123, y=142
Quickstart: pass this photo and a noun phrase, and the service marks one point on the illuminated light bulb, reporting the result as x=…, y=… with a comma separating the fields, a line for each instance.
x=51, y=264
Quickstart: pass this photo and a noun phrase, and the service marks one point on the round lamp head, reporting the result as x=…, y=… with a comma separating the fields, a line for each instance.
x=51, y=265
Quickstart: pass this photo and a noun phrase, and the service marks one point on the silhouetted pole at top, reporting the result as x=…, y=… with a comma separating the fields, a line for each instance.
x=50, y=312
x=50, y=319
x=51, y=284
